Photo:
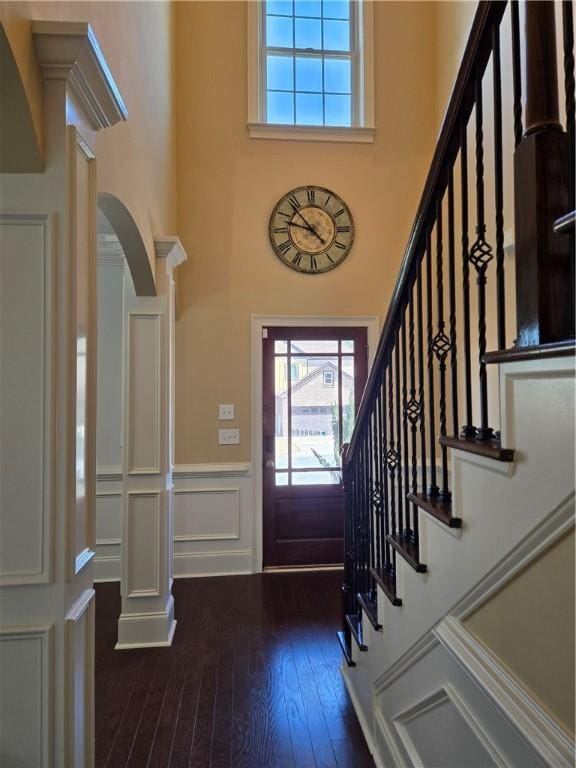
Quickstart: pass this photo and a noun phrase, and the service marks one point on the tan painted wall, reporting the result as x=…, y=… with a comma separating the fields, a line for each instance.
x=229, y=183
x=135, y=159
x=453, y=21
x=529, y=625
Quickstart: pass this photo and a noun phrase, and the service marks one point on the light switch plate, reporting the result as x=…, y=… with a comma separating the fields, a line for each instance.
x=228, y=436
x=225, y=412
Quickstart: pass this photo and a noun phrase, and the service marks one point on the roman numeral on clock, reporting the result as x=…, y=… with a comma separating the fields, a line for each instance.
x=311, y=194
x=294, y=202
x=342, y=229
x=297, y=259
x=340, y=245
x=313, y=263
x=339, y=213
x=285, y=246
x=278, y=230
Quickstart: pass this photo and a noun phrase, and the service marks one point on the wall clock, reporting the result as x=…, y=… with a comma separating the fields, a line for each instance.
x=311, y=229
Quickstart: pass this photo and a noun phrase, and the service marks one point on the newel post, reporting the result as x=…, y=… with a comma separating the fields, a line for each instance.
x=544, y=288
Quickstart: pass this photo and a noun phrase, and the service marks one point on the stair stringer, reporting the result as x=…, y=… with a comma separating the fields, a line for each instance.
x=500, y=505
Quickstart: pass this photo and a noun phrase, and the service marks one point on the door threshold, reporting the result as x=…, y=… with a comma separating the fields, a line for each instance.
x=301, y=568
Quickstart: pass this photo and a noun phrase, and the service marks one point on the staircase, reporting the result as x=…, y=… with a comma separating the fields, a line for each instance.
x=460, y=471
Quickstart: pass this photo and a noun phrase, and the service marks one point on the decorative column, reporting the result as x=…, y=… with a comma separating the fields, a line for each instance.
x=48, y=406
x=147, y=617
x=544, y=279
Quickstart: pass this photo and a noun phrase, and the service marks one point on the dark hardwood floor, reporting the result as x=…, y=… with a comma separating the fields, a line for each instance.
x=252, y=680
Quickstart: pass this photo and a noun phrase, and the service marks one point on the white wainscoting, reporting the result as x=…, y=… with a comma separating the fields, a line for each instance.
x=26, y=715
x=440, y=706
x=80, y=627
x=213, y=519
x=108, y=558
x=26, y=337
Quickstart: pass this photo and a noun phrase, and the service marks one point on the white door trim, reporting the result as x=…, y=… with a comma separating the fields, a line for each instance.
x=370, y=322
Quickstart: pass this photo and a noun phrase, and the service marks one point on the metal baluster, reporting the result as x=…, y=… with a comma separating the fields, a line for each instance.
x=412, y=413
x=568, y=36
x=433, y=489
x=499, y=190
x=407, y=521
x=377, y=493
x=441, y=346
x=516, y=72
x=468, y=430
x=452, y=300
x=386, y=516
x=481, y=256
x=399, y=433
x=391, y=454
x=370, y=488
x=421, y=396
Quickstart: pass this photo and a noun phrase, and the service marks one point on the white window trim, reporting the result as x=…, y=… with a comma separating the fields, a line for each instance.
x=363, y=133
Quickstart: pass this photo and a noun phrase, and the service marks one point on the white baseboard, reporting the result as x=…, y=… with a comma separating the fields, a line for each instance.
x=364, y=725
x=147, y=630
x=227, y=563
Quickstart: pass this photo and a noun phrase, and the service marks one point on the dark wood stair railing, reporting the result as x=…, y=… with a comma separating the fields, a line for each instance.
x=429, y=389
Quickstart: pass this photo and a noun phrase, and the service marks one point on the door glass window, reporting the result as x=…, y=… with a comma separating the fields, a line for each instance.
x=314, y=409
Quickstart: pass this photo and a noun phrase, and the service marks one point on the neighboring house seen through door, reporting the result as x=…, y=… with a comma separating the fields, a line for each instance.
x=312, y=384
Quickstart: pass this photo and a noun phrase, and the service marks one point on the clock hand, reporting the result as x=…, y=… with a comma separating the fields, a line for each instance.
x=310, y=228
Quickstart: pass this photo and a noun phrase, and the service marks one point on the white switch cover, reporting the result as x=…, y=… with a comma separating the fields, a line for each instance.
x=228, y=436
x=225, y=412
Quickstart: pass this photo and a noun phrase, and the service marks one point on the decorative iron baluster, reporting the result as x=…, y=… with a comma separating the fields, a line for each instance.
x=568, y=40
x=468, y=430
x=377, y=499
x=412, y=413
x=398, y=410
x=481, y=256
x=441, y=347
x=516, y=72
x=391, y=453
x=421, y=396
x=408, y=528
x=433, y=490
x=386, y=517
x=452, y=301
x=499, y=190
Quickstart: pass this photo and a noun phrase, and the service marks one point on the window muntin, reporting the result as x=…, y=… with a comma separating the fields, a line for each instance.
x=310, y=62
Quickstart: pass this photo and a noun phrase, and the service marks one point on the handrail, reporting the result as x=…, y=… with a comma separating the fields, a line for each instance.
x=474, y=62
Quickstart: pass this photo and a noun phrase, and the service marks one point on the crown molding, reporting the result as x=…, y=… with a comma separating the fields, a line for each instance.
x=171, y=249
x=69, y=51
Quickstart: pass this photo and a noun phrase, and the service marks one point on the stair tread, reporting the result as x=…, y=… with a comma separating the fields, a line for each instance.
x=407, y=550
x=370, y=607
x=342, y=640
x=441, y=510
x=489, y=448
x=387, y=583
x=356, y=628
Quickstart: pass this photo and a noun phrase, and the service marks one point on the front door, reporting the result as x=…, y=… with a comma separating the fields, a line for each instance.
x=312, y=384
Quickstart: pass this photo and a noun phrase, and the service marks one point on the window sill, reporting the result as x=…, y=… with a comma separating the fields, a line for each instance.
x=311, y=133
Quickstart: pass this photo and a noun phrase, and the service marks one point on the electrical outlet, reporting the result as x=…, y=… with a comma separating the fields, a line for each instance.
x=225, y=412
x=228, y=436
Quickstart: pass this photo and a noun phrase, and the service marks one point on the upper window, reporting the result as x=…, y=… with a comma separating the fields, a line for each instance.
x=310, y=69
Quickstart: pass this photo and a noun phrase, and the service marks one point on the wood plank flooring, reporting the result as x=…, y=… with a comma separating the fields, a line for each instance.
x=252, y=680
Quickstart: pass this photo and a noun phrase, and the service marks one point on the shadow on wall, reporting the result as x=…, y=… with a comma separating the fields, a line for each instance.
x=124, y=227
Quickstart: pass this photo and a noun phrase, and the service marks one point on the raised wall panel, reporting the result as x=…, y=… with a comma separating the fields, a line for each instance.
x=144, y=393
x=144, y=538
x=80, y=681
x=109, y=517
x=436, y=732
x=82, y=187
x=26, y=255
x=207, y=514
x=109, y=369
x=26, y=725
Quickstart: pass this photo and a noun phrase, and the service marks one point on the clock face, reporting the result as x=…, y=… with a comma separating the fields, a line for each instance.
x=311, y=229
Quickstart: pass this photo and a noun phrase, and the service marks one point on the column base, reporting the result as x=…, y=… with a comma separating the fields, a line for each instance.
x=146, y=630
